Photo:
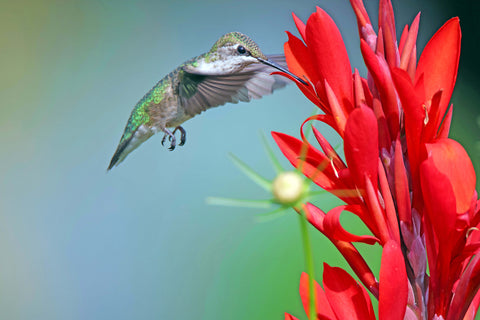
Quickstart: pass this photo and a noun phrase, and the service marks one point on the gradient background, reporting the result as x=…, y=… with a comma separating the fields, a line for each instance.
x=140, y=242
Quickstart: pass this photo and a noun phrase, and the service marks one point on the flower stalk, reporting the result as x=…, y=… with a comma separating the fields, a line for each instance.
x=411, y=185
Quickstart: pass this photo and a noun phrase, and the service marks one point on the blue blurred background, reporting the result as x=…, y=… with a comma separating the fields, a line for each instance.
x=140, y=242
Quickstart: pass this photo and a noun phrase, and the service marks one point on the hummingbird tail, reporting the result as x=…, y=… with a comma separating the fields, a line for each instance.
x=128, y=143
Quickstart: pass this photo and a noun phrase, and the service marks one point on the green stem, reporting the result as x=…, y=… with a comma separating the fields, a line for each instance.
x=307, y=249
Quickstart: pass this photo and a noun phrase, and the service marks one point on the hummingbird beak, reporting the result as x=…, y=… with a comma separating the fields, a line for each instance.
x=276, y=66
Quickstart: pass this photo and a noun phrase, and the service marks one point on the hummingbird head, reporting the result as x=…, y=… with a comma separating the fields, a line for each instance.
x=233, y=52
x=235, y=49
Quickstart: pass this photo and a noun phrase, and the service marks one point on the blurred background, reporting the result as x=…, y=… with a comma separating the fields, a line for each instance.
x=140, y=242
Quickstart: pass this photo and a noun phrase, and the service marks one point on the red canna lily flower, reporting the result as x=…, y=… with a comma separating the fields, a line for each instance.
x=412, y=186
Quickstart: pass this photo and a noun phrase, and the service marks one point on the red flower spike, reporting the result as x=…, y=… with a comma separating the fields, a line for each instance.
x=345, y=295
x=330, y=58
x=361, y=146
x=448, y=156
x=440, y=70
x=393, y=292
x=426, y=204
x=324, y=311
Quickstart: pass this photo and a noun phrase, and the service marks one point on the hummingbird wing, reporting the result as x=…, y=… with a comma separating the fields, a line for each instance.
x=199, y=92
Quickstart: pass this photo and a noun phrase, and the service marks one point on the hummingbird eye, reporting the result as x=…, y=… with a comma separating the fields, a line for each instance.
x=241, y=50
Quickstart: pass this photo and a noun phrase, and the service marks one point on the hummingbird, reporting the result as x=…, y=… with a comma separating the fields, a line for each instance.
x=235, y=69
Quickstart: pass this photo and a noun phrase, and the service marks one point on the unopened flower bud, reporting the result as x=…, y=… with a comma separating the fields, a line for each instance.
x=288, y=188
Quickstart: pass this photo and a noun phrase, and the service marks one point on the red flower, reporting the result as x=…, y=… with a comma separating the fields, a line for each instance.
x=344, y=298
x=412, y=186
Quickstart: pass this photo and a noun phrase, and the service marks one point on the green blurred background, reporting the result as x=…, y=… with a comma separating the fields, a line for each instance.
x=140, y=242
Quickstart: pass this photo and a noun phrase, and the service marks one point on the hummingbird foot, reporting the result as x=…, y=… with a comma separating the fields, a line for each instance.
x=183, y=136
x=171, y=138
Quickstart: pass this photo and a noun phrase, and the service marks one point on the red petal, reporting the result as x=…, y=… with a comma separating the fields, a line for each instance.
x=414, y=116
x=445, y=127
x=390, y=213
x=298, y=58
x=307, y=90
x=449, y=157
x=410, y=41
x=338, y=113
x=439, y=62
x=384, y=139
x=300, y=25
x=335, y=230
x=330, y=58
x=383, y=81
x=401, y=187
x=377, y=213
x=439, y=199
x=466, y=290
x=386, y=21
x=290, y=317
x=324, y=311
x=329, y=150
x=412, y=63
x=345, y=295
x=472, y=310
x=360, y=12
x=361, y=146
x=434, y=119
x=393, y=283
x=403, y=39
x=358, y=89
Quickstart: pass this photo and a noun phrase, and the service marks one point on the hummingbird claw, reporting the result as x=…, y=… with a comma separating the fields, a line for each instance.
x=183, y=136
x=171, y=138
x=172, y=144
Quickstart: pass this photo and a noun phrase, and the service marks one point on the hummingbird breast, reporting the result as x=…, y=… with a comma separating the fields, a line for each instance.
x=165, y=109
